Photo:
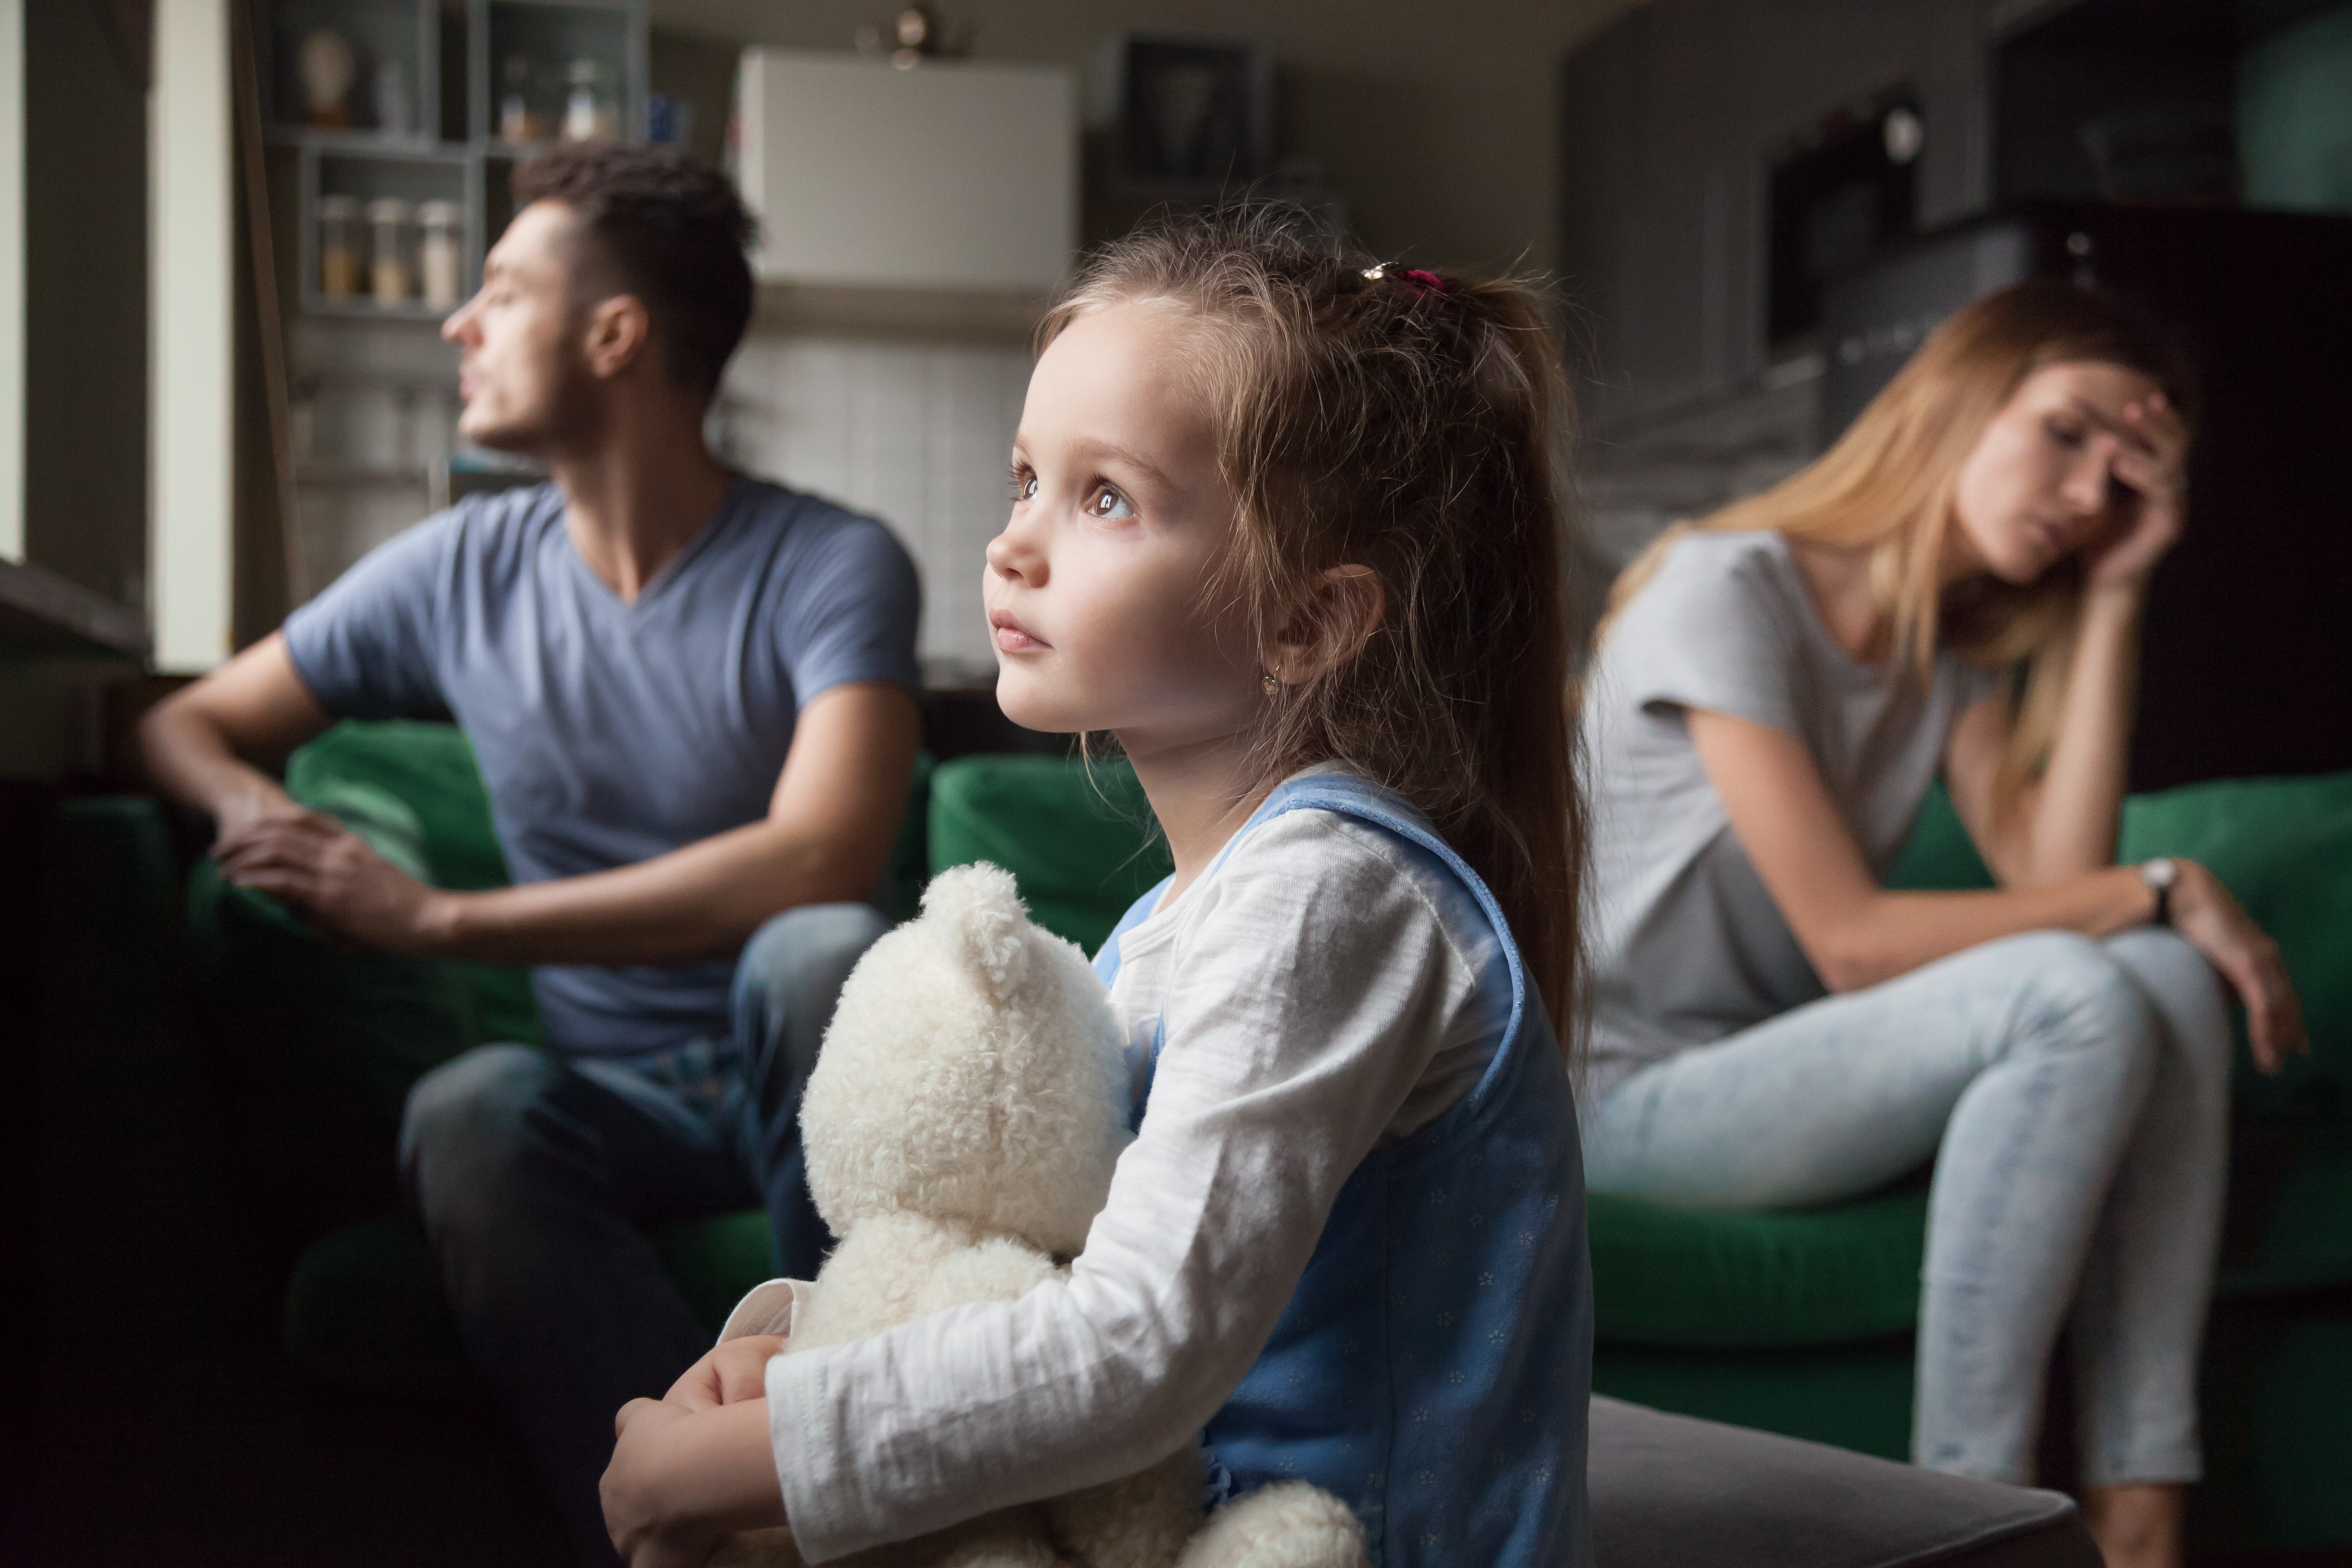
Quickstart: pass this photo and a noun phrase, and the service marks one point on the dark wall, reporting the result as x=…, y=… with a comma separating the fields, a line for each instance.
x=1669, y=118
x=86, y=285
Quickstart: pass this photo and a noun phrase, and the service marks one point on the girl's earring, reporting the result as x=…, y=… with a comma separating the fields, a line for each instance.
x=1270, y=683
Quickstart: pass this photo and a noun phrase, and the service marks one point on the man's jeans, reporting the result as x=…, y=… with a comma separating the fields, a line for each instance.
x=2074, y=1096
x=535, y=1175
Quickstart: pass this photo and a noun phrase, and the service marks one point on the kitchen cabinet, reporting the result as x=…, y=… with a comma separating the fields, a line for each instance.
x=952, y=177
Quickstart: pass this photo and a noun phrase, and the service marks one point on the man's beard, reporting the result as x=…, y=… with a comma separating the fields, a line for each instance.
x=570, y=414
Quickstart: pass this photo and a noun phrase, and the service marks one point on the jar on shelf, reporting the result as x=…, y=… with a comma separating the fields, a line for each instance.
x=593, y=112
x=518, y=123
x=438, y=255
x=389, y=273
x=339, y=246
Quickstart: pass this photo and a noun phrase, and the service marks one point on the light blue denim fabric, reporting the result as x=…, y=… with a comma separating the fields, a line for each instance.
x=534, y=1176
x=2074, y=1096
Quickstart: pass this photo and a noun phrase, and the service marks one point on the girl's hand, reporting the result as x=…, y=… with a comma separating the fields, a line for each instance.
x=2151, y=455
x=737, y=1370
x=2211, y=920
x=640, y=1490
x=683, y=1482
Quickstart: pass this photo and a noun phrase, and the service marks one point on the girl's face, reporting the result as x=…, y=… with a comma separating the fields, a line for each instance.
x=2041, y=481
x=1094, y=590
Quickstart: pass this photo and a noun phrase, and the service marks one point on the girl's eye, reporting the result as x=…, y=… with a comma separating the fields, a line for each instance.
x=1109, y=504
x=1024, y=485
x=2065, y=434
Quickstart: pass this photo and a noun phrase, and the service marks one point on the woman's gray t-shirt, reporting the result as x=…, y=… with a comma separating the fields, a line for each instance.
x=1687, y=947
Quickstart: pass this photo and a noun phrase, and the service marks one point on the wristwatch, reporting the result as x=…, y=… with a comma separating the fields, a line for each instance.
x=2160, y=874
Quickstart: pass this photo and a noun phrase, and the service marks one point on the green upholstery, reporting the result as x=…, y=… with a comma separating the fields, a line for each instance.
x=320, y=1043
x=1080, y=840
x=1664, y=1276
x=1793, y=1322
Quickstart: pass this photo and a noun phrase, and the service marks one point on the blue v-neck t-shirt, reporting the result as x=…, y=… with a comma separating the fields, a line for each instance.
x=609, y=732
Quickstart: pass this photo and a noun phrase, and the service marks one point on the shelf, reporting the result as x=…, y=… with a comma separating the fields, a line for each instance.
x=368, y=311
x=362, y=143
x=361, y=476
x=42, y=613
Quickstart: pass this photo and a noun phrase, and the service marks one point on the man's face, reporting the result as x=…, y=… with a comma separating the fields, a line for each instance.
x=525, y=383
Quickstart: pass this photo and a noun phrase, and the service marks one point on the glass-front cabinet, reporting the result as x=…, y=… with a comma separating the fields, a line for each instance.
x=394, y=127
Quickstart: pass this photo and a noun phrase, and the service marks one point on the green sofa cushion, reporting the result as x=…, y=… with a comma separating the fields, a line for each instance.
x=1740, y=1280
x=1079, y=838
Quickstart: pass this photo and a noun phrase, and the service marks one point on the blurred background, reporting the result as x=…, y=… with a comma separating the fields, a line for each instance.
x=230, y=228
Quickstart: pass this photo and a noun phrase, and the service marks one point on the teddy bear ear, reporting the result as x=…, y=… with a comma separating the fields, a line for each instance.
x=980, y=916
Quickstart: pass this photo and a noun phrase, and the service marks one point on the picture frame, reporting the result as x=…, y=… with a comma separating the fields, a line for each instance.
x=1185, y=112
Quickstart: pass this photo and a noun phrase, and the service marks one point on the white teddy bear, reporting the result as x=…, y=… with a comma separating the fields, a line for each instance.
x=960, y=1129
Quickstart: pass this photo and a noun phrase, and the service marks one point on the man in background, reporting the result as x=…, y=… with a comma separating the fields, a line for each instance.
x=691, y=695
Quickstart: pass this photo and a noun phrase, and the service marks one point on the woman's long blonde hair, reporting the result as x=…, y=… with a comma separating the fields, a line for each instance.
x=1405, y=421
x=1887, y=487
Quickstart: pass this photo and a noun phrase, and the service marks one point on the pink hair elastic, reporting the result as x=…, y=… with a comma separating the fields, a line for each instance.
x=1423, y=284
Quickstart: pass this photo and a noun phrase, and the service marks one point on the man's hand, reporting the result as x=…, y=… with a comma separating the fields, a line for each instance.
x=680, y=1481
x=335, y=877
x=240, y=812
x=734, y=1372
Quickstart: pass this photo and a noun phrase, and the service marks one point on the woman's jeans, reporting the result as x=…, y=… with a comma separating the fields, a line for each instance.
x=2074, y=1095
x=534, y=1175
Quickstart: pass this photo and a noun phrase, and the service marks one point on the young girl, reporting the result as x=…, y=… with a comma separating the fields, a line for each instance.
x=1284, y=524
x=1956, y=586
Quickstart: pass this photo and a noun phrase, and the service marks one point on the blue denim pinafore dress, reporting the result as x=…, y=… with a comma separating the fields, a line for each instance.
x=1434, y=1365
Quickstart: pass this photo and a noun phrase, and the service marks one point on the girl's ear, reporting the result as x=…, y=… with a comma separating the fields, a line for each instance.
x=1340, y=611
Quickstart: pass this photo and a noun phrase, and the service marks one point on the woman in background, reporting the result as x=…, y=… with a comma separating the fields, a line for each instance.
x=1956, y=585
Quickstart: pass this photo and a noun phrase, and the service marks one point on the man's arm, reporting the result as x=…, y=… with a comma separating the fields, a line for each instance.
x=201, y=743
x=828, y=831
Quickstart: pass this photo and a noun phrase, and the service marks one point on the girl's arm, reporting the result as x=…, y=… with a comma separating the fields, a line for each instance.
x=1857, y=933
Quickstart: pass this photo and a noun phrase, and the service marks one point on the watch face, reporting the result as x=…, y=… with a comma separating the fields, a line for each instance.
x=2159, y=873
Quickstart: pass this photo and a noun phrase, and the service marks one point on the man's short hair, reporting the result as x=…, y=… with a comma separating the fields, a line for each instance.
x=661, y=226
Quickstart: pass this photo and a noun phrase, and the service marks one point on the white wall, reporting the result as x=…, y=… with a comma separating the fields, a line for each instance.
x=918, y=435
x=191, y=504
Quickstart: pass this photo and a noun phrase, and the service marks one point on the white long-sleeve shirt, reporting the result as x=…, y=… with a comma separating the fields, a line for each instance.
x=1326, y=989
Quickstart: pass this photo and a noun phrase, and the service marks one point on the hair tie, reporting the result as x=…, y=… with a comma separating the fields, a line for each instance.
x=1423, y=284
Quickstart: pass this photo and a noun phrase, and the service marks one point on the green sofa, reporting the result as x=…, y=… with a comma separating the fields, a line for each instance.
x=1797, y=1323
